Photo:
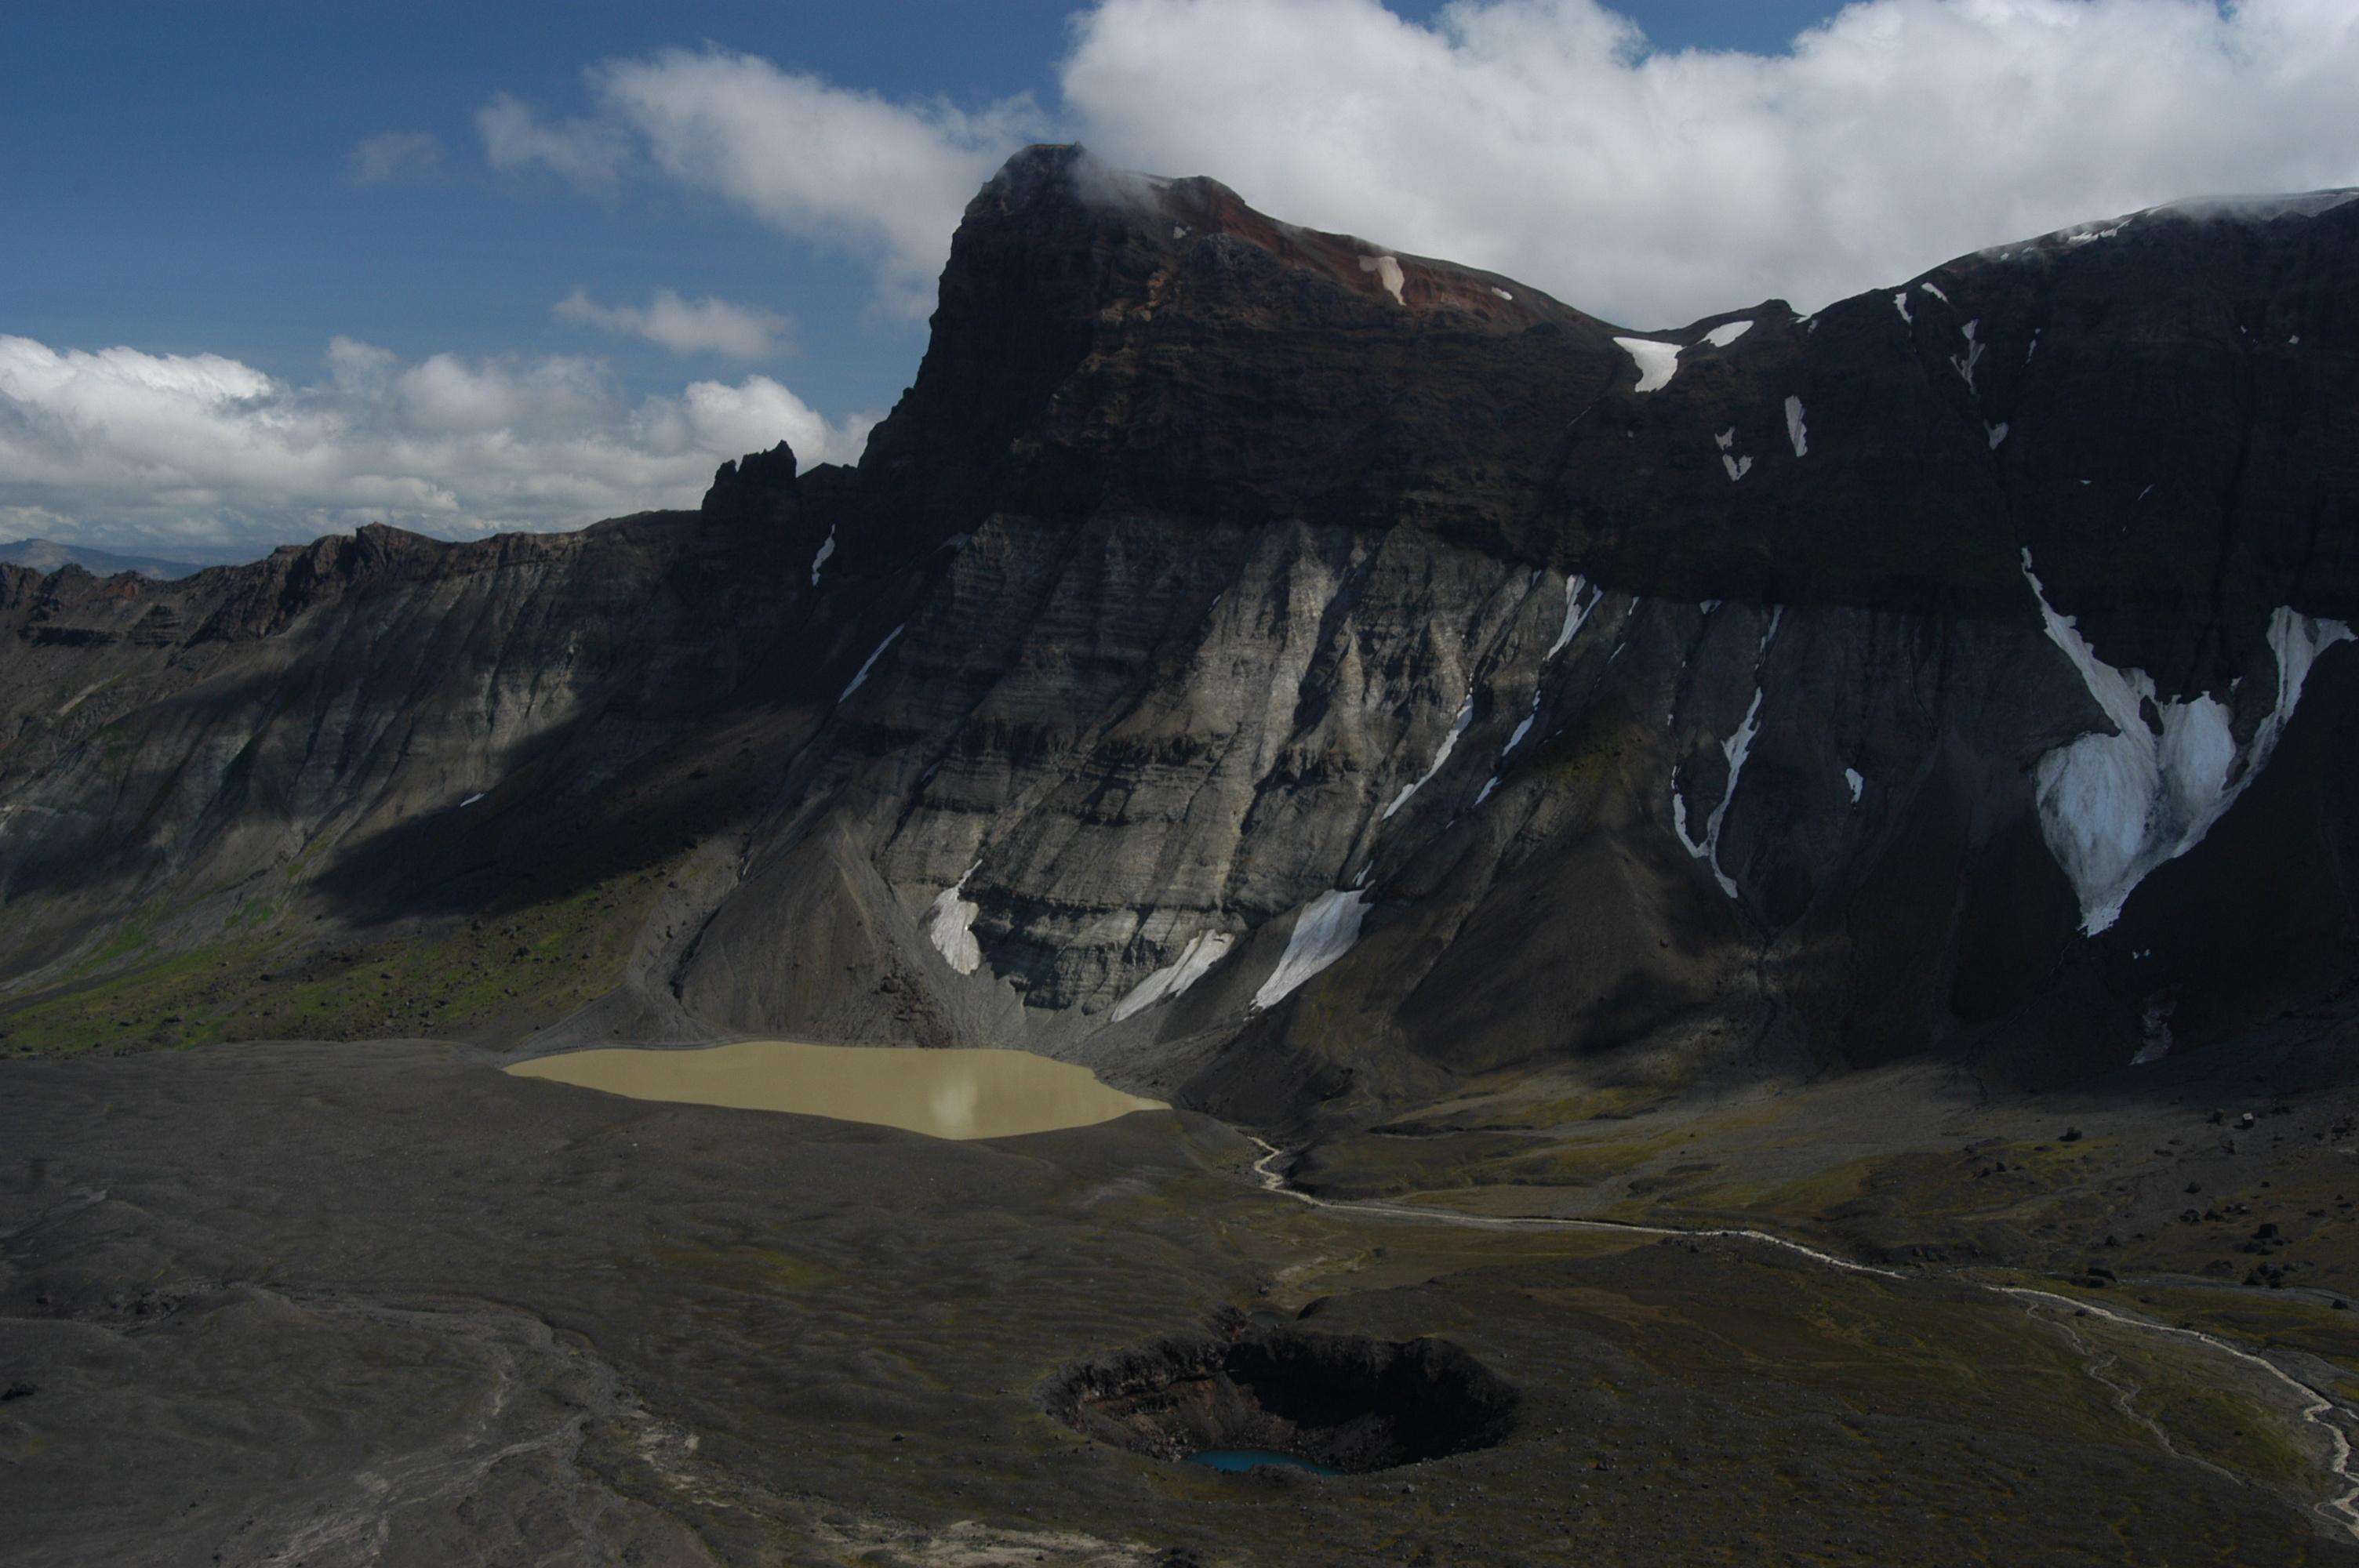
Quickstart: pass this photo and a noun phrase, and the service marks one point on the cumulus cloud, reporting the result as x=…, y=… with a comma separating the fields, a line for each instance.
x=394, y=156
x=702, y=326
x=588, y=152
x=122, y=449
x=883, y=180
x=1543, y=139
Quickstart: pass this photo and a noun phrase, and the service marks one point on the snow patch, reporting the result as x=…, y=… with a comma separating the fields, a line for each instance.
x=1388, y=273
x=1178, y=230
x=826, y=549
x=949, y=926
x=1322, y=933
x=1449, y=744
x=1502, y=293
x=1997, y=433
x=2113, y=808
x=1575, y=612
x=1795, y=431
x=1522, y=730
x=471, y=800
x=1727, y=332
x=1737, y=467
x=890, y=638
x=1707, y=849
x=1935, y=290
x=1900, y=303
x=2035, y=346
x=1965, y=367
x=1851, y=777
x=1205, y=949
x=1489, y=787
x=2156, y=1024
x=1656, y=362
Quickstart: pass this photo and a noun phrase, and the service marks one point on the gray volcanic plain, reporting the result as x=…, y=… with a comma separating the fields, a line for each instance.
x=380, y=1302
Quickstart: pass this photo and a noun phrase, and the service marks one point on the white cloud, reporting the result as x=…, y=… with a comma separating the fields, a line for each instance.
x=1540, y=138
x=685, y=327
x=884, y=181
x=588, y=152
x=121, y=448
x=395, y=155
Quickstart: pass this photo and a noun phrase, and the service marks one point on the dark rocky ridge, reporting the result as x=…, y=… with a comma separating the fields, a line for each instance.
x=1185, y=553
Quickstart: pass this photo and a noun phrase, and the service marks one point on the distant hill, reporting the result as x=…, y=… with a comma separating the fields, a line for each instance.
x=48, y=555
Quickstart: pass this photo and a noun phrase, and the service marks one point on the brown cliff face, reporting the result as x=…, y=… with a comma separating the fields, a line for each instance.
x=1298, y=674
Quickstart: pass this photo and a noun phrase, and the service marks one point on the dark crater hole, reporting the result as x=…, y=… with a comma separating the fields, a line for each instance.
x=1349, y=1403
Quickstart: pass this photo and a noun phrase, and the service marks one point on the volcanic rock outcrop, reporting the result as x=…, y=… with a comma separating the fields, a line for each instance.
x=1297, y=675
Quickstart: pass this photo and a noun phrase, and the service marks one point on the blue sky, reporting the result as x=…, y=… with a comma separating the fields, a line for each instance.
x=224, y=192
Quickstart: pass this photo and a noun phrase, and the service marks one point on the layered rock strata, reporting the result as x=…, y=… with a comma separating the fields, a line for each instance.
x=1300, y=676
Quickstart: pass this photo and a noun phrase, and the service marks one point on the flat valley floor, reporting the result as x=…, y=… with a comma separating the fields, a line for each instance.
x=382, y=1303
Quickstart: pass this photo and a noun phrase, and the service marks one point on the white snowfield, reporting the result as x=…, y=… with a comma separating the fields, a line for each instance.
x=1388, y=273
x=1575, y=612
x=1736, y=748
x=949, y=926
x=1707, y=849
x=1851, y=777
x=1656, y=362
x=1900, y=303
x=1795, y=431
x=2113, y=808
x=826, y=549
x=1449, y=743
x=1973, y=355
x=2083, y=235
x=1322, y=933
x=1737, y=467
x=1205, y=949
x=1514, y=741
x=1503, y=293
x=890, y=637
x=1997, y=433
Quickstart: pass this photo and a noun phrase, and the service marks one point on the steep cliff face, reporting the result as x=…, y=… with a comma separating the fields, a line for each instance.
x=1303, y=676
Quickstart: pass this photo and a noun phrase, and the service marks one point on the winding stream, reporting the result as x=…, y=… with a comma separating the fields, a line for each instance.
x=2317, y=1408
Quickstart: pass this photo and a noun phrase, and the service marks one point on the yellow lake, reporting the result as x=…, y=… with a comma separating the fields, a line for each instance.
x=943, y=1094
